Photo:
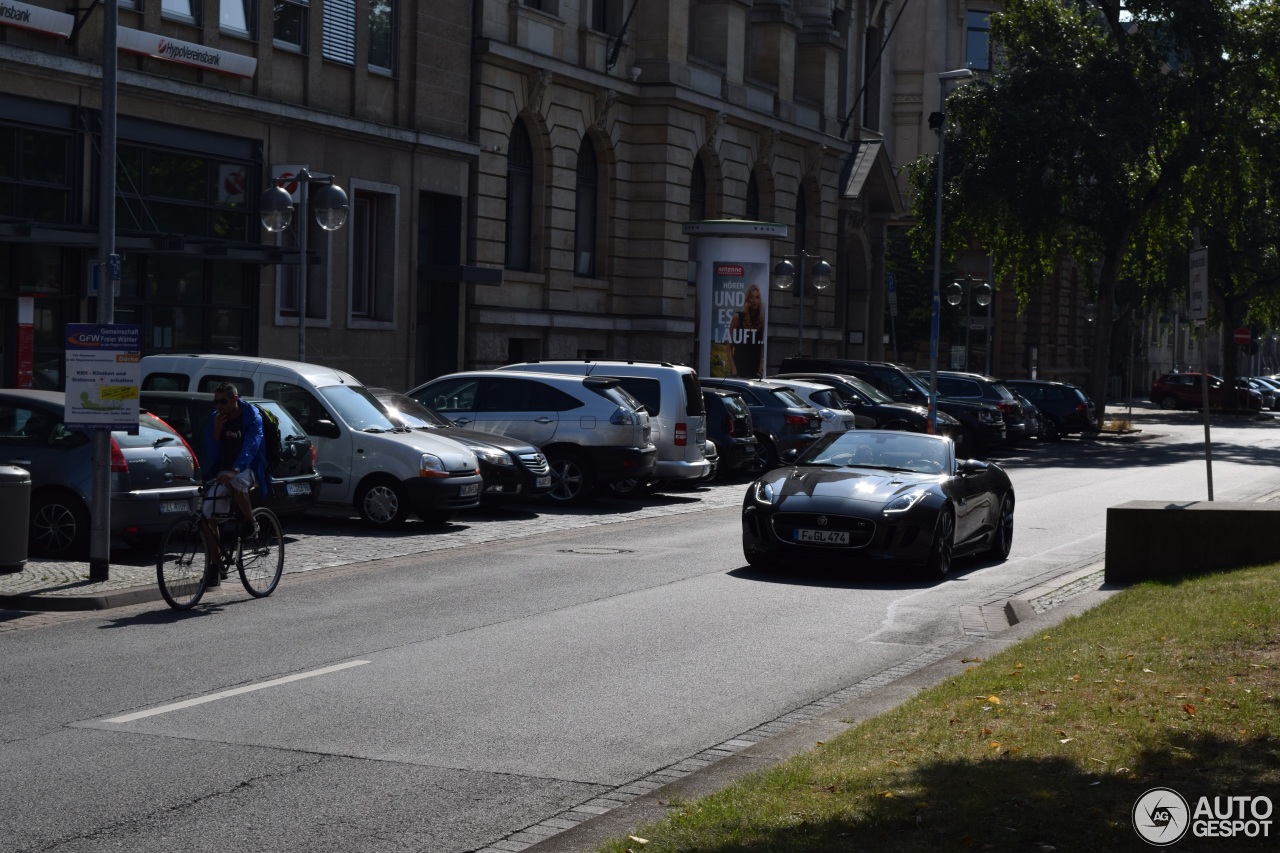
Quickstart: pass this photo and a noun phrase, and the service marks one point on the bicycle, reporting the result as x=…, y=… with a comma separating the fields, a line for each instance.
x=258, y=559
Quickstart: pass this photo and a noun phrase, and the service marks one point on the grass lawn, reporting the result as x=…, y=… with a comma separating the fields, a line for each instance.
x=1045, y=747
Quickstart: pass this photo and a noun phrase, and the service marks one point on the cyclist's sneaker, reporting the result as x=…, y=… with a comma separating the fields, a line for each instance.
x=248, y=529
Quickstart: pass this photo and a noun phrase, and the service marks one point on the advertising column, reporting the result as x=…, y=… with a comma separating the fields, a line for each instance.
x=733, y=271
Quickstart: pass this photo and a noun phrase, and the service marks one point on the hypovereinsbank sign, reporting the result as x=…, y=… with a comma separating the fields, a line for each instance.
x=35, y=18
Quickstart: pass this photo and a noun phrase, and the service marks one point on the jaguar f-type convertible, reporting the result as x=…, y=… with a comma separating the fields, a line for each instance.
x=867, y=498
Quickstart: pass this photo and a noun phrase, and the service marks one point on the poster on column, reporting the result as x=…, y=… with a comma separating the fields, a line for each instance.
x=103, y=367
x=740, y=295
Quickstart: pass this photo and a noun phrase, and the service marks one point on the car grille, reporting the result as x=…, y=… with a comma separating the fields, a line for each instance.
x=536, y=463
x=861, y=531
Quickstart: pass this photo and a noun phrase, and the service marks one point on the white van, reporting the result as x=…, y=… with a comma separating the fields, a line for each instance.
x=385, y=471
x=673, y=398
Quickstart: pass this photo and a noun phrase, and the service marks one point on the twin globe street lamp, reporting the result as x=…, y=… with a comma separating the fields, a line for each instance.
x=978, y=291
x=276, y=212
x=784, y=275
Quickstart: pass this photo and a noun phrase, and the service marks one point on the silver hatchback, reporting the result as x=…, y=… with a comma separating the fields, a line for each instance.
x=151, y=474
x=592, y=431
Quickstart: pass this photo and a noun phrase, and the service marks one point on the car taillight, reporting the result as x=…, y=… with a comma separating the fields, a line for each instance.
x=118, y=465
x=1082, y=407
x=313, y=457
x=1006, y=408
x=729, y=426
x=682, y=435
x=195, y=460
x=798, y=420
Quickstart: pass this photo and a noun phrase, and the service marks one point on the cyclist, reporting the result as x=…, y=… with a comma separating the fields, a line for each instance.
x=233, y=439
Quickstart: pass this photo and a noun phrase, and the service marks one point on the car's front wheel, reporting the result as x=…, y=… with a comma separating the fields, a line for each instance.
x=382, y=503
x=1168, y=401
x=944, y=534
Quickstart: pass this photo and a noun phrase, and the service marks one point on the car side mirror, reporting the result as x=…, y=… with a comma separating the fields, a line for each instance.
x=970, y=467
x=325, y=428
x=790, y=456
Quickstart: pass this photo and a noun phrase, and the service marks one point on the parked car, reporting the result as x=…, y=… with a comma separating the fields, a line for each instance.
x=671, y=396
x=512, y=469
x=1273, y=386
x=955, y=385
x=869, y=498
x=366, y=460
x=981, y=424
x=1036, y=418
x=295, y=482
x=1266, y=394
x=873, y=409
x=783, y=422
x=151, y=474
x=836, y=416
x=1185, y=390
x=1065, y=407
x=729, y=427
x=591, y=429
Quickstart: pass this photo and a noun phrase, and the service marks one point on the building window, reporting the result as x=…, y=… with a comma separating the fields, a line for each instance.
x=802, y=221
x=237, y=16
x=320, y=243
x=181, y=193
x=753, y=198
x=290, y=24
x=372, y=252
x=606, y=16
x=35, y=175
x=585, y=215
x=183, y=10
x=698, y=192
x=382, y=33
x=977, y=49
x=519, y=200
x=338, y=40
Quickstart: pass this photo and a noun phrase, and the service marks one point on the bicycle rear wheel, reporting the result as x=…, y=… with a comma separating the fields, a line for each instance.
x=182, y=563
x=261, y=558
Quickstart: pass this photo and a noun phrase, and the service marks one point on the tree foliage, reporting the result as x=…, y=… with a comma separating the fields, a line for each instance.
x=1105, y=136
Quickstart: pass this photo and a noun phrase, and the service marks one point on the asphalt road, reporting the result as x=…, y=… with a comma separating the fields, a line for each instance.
x=486, y=696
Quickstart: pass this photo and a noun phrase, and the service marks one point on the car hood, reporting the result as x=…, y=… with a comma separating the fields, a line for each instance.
x=491, y=439
x=860, y=485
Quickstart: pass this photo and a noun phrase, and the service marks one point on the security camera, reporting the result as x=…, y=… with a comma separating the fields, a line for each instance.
x=635, y=73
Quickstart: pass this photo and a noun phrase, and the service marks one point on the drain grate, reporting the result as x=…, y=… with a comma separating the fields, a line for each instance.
x=595, y=552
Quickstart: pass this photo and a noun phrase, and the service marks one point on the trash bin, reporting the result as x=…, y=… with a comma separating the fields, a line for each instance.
x=15, y=497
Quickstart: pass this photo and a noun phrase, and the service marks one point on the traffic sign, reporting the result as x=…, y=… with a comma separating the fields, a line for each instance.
x=1242, y=335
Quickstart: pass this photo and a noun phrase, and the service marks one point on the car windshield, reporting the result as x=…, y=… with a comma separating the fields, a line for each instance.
x=412, y=413
x=890, y=451
x=358, y=408
x=868, y=390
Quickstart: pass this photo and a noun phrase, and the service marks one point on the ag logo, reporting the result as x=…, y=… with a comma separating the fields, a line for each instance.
x=1161, y=816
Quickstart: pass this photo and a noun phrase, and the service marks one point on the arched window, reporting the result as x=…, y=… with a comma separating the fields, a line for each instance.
x=519, y=200
x=587, y=195
x=698, y=192
x=753, y=198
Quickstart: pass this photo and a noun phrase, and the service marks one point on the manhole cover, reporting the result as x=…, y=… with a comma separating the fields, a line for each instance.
x=596, y=552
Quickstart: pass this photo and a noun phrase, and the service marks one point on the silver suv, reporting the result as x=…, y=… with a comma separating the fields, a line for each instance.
x=591, y=429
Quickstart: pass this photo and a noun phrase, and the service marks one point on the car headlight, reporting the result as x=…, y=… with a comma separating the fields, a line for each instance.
x=944, y=418
x=904, y=502
x=431, y=466
x=763, y=493
x=494, y=456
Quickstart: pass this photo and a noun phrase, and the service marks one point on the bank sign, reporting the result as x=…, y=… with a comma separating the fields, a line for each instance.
x=36, y=19
x=186, y=53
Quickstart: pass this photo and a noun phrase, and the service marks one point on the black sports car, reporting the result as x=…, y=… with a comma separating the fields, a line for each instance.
x=866, y=498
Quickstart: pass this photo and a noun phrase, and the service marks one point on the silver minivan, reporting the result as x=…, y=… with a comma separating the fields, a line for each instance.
x=672, y=397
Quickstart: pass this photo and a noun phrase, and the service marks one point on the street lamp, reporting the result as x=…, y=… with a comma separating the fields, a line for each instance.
x=956, y=291
x=784, y=274
x=276, y=206
x=937, y=121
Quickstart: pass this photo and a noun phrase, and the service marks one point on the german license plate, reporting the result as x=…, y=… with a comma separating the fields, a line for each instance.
x=542, y=481
x=470, y=490
x=822, y=537
x=175, y=506
x=298, y=488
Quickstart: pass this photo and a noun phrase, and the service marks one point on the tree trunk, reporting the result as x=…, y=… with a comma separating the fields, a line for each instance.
x=1100, y=354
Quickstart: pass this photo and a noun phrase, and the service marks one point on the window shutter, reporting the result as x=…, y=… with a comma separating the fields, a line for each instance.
x=340, y=31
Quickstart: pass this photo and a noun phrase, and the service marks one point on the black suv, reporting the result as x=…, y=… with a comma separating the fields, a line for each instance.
x=975, y=386
x=1065, y=407
x=729, y=426
x=981, y=424
x=783, y=421
x=876, y=410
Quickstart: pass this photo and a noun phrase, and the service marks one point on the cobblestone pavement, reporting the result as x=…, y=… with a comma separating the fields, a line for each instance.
x=339, y=538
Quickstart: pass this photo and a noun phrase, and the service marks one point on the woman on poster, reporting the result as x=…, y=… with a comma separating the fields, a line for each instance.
x=746, y=336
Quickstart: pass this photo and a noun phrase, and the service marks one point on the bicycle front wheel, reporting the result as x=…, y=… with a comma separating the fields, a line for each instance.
x=261, y=558
x=181, y=567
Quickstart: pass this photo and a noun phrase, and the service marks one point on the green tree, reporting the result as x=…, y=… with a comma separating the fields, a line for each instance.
x=1082, y=145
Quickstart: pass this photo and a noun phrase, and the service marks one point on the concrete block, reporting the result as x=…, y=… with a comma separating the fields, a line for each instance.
x=1149, y=540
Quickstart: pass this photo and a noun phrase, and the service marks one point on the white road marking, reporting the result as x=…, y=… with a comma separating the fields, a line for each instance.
x=236, y=691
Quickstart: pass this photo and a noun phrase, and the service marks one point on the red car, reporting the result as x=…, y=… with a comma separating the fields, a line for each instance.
x=1184, y=390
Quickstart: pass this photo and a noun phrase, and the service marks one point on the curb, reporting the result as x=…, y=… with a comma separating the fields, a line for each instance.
x=39, y=602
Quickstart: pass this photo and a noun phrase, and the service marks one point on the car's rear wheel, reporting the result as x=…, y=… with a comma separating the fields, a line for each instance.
x=944, y=534
x=382, y=503
x=572, y=480
x=632, y=488
x=1002, y=536
x=1168, y=401
x=766, y=458
x=59, y=526
x=1053, y=430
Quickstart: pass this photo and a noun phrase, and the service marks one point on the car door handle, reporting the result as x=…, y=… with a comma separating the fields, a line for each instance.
x=462, y=421
x=19, y=462
x=542, y=420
